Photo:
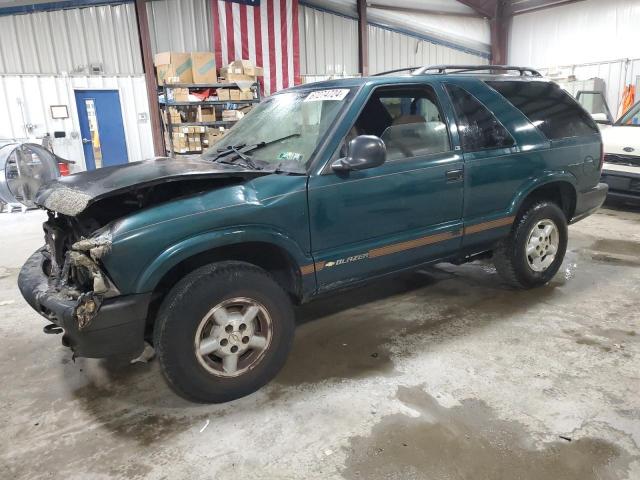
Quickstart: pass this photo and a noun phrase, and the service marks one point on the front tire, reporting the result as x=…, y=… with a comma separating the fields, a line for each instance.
x=534, y=250
x=223, y=332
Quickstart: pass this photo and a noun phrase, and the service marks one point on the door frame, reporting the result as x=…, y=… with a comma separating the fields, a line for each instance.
x=76, y=118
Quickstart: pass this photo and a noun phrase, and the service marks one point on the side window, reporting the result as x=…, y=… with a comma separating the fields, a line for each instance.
x=408, y=120
x=479, y=129
x=548, y=107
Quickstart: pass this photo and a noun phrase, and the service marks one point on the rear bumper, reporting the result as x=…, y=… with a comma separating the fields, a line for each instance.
x=117, y=328
x=589, y=201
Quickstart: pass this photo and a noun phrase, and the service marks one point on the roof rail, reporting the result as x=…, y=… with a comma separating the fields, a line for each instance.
x=444, y=69
x=397, y=70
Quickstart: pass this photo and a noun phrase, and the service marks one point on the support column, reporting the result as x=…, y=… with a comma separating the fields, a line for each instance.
x=149, y=76
x=499, y=32
x=363, y=38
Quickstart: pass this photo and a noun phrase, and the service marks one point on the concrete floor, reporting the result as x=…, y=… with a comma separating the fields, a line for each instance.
x=445, y=373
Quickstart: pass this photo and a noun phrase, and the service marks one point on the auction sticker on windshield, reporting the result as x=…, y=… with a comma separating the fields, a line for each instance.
x=322, y=95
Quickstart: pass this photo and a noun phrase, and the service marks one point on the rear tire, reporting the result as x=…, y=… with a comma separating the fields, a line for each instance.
x=534, y=250
x=223, y=332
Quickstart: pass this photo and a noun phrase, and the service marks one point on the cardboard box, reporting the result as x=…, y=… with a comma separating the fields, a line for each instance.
x=232, y=115
x=246, y=95
x=224, y=94
x=206, y=114
x=203, y=66
x=178, y=94
x=173, y=114
x=214, y=135
x=239, y=77
x=189, y=129
x=254, y=71
x=172, y=65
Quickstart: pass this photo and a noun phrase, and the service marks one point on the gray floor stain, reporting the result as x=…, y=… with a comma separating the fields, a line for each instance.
x=469, y=442
x=609, y=245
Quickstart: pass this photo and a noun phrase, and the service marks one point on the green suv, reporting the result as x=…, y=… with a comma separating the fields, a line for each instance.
x=320, y=188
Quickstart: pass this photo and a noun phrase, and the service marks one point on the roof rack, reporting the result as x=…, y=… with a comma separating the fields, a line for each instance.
x=444, y=69
x=397, y=70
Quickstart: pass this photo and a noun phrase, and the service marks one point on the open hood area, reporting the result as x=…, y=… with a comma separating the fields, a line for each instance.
x=73, y=194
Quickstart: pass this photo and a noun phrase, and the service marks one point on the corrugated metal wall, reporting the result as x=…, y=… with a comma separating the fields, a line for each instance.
x=180, y=25
x=328, y=43
x=615, y=73
x=389, y=50
x=70, y=41
x=26, y=100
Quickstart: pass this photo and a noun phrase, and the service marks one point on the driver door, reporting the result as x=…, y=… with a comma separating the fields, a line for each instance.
x=404, y=212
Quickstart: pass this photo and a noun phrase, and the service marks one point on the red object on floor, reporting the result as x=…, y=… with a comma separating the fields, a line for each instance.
x=64, y=169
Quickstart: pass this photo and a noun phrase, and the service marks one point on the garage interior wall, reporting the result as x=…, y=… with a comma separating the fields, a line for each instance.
x=328, y=39
x=591, y=38
x=44, y=56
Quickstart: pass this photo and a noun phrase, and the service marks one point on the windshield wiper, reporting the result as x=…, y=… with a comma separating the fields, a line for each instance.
x=240, y=151
x=238, y=154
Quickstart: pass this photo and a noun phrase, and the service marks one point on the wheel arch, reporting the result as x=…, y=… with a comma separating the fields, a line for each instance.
x=273, y=251
x=559, y=188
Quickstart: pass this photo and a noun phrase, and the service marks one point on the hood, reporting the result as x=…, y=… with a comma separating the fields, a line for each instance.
x=72, y=195
x=621, y=140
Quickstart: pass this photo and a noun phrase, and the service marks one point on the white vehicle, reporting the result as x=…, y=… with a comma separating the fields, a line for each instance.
x=621, y=169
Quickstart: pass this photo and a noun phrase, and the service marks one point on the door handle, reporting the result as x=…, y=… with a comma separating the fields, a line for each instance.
x=86, y=140
x=455, y=175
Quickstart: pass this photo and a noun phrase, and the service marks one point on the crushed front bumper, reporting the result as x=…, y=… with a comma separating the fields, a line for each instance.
x=116, y=329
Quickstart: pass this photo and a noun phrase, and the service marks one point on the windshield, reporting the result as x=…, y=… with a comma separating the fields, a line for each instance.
x=632, y=117
x=284, y=129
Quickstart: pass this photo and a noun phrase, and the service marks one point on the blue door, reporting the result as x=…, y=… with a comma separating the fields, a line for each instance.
x=101, y=128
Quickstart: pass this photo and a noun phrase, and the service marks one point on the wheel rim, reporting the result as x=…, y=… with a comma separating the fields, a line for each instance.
x=542, y=245
x=233, y=337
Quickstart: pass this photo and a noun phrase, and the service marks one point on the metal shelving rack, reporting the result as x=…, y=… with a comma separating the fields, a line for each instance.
x=229, y=104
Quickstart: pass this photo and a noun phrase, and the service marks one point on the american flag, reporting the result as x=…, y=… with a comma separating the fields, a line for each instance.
x=263, y=31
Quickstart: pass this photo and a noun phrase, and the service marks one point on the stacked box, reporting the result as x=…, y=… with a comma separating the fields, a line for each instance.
x=214, y=135
x=234, y=94
x=232, y=115
x=178, y=94
x=172, y=114
x=240, y=70
x=194, y=142
x=180, y=143
x=189, y=129
x=206, y=114
x=203, y=65
x=173, y=65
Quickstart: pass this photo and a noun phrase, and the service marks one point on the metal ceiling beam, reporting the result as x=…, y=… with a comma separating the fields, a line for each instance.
x=484, y=8
x=422, y=10
x=518, y=7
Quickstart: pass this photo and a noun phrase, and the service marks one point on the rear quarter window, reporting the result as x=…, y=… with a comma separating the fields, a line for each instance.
x=479, y=129
x=548, y=107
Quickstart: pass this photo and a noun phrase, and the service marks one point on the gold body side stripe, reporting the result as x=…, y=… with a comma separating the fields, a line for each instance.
x=420, y=242
x=481, y=227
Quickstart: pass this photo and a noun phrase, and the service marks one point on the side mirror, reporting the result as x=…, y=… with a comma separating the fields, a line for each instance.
x=365, y=151
x=601, y=118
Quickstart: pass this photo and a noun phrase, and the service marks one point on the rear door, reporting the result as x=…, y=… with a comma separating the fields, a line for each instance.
x=404, y=212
